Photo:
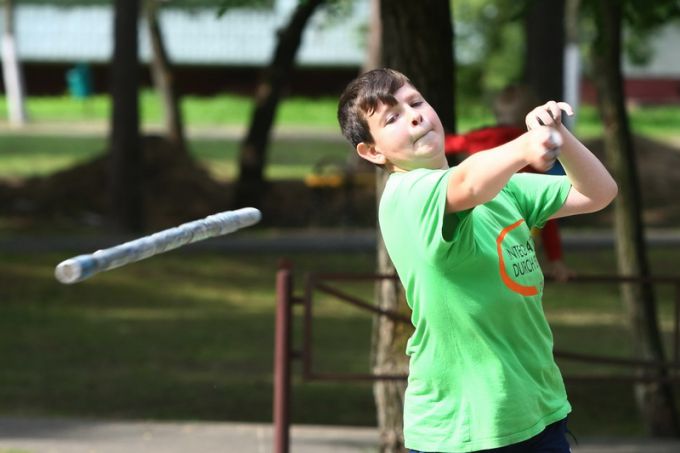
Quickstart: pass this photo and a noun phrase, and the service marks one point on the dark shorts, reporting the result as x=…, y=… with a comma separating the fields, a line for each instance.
x=553, y=439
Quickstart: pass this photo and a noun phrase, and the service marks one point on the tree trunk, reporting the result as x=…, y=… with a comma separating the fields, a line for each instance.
x=654, y=399
x=572, y=60
x=386, y=356
x=125, y=147
x=253, y=149
x=161, y=71
x=373, y=57
x=544, y=59
x=11, y=69
x=417, y=39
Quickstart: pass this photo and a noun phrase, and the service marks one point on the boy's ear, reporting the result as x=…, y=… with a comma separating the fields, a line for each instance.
x=371, y=154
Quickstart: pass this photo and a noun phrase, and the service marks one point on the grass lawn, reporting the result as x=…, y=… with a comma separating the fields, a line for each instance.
x=128, y=344
x=319, y=112
x=163, y=340
x=222, y=110
x=24, y=156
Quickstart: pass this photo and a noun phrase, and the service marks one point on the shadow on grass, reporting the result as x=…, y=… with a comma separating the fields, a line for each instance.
x=162, y=340
x=190, y=336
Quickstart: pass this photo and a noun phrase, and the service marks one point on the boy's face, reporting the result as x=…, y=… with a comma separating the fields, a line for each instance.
x=407, y=135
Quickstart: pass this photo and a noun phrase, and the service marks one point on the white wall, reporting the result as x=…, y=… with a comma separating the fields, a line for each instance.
x=239, y=37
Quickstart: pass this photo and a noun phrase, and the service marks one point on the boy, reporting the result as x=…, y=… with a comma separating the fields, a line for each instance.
x=481, y=372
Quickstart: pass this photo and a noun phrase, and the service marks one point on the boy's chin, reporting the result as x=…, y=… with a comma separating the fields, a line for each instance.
x=430, y=151
x=430, y=144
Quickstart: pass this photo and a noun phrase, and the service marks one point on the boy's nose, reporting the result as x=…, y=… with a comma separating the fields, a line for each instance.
x=416, y=118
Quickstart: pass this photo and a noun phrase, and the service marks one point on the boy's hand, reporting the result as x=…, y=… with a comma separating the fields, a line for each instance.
x=543, y=147
x=544, y=139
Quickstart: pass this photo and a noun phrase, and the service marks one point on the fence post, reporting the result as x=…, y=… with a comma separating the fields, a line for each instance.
x=282, y=357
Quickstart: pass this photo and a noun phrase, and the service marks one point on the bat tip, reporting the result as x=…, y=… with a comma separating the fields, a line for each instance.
x=253, y=214
x=68, y=271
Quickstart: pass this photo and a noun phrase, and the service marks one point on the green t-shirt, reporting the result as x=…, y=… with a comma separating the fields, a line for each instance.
x=482, y=373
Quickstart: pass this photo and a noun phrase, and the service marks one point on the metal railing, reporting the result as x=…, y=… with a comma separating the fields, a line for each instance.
x=320, y=282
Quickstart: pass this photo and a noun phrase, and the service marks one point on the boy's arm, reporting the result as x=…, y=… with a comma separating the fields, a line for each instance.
x=480, y=177
x=593, y=188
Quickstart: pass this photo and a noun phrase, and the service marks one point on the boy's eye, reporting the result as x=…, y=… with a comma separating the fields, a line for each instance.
x=416, y=103
x=391, y=119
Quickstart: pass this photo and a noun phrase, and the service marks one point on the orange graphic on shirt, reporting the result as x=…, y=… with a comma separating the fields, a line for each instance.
x=509, y=282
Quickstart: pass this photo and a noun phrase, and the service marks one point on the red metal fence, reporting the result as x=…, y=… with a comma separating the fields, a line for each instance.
x=321, y=282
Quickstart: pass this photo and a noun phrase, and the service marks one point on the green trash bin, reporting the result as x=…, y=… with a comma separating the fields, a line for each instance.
x=79, y=81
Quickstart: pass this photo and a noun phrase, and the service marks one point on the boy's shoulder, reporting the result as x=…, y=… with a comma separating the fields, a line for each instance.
x=415, y=181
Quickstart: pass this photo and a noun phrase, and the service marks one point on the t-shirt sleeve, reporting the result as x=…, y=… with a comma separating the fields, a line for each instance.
x=538, y=196
x=422, y=209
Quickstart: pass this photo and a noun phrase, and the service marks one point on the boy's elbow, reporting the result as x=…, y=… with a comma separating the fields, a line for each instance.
x=607, y=195
x=614, y=191
x=611, y=192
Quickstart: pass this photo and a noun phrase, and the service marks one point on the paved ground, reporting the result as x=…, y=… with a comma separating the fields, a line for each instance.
x=90, y=436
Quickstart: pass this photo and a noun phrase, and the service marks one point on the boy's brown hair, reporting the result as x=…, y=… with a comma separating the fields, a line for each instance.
x=362, y=97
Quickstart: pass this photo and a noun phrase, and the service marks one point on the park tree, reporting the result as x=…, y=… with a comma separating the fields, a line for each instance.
x=654, y=395
x=162, y=69
x=253, y=149
x=544, y=40
x=417, y=39
x=572, y=58
x=125, y=151
x=163, y=77
x=11, y=69
x=373, y=55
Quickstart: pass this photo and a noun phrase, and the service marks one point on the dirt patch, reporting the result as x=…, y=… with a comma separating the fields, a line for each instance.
x=177, y=189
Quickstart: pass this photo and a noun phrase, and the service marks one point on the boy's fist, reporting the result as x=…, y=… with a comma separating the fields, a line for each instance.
x=543, y=147
x=544, y=139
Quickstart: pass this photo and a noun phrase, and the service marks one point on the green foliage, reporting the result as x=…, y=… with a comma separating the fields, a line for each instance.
x=641, y=19
x=225, y=5
x=643, y=15
x=638, y=48
x=489, y=45
x=490, y=39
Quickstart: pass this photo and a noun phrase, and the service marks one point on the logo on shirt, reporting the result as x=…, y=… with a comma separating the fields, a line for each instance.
x=521, y=261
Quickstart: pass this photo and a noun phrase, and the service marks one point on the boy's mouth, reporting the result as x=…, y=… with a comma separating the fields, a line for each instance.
x=419, y=136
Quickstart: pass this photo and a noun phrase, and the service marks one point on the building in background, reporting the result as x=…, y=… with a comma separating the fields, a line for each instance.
x=225, y=54
x=657, y=81
x=211, y=53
